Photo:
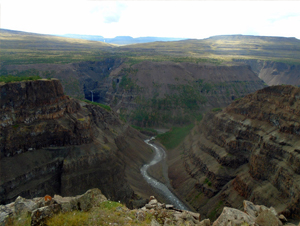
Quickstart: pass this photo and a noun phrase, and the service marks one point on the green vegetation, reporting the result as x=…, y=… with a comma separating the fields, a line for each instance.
x=212, y=215
x=27, y=48
x=107, y=213
x=15, y=126
x=11, y=78
x=106, y=107
x=175, y=136
x=216, y=109
x=206, y=181
x=153, y=131
x=23, y=220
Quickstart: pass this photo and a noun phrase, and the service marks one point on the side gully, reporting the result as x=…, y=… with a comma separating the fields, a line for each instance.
x=160, y=154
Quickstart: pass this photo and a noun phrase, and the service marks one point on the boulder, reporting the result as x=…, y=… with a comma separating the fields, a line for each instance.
x=230, y=216
x=80, y=202
x=168, y=206
x=205, y=222
x=140, y=215
x=153, y=202
x=24, y=206
x=6, y=211
x=267, y=218
x=250, y=208
x=40, y=215
x=282, y=218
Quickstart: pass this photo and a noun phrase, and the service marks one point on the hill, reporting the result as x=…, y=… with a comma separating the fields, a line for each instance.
x=19, y=47
x=108, y=71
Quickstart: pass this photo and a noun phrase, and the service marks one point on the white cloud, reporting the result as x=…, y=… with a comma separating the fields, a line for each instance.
x=187, y=19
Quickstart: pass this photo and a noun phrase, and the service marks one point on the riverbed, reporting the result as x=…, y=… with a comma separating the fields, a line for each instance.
x=160, y=154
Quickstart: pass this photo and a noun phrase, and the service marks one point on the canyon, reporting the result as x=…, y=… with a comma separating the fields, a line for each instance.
x=53, y=141
x=54, y=144
x=153, y=93
x=249, y=150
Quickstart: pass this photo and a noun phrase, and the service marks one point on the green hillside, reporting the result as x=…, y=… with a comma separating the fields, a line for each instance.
x=29, y=48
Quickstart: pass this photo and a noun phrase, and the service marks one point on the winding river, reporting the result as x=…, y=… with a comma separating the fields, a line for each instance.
x=160, y=154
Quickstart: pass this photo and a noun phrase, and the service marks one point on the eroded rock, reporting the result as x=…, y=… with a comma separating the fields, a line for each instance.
x=230, y=216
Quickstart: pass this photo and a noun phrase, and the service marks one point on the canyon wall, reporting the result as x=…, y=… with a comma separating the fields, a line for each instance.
x=53, y=144
x=275, y=73
x=250, y=150
x=153, y=93
x=168, y=93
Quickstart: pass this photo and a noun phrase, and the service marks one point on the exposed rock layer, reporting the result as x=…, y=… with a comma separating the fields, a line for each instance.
x=52, y=144
x=250, y=150
x=157, y=93
x=153, y=93
x=275, y=73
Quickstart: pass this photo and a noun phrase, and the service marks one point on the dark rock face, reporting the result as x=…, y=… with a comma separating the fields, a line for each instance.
x=247, y=151
x=52, y=144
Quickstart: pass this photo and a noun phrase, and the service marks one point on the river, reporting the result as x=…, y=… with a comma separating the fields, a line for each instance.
x=160, y=154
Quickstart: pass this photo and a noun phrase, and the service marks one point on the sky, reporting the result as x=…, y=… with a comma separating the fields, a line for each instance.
x=178, y=19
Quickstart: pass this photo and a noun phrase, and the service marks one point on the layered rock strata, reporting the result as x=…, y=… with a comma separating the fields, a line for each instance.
x=250, y=150
x=53, y=144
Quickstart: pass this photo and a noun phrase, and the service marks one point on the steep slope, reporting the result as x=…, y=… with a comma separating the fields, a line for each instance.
x=52, y=144
x=78, y=79
x=275, y=73
x=152, y=93
x=250, y=150
x=160, y=93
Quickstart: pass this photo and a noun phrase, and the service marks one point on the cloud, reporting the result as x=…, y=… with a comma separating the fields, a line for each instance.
x=187, y=19
x=112, y=19
x=109, y=12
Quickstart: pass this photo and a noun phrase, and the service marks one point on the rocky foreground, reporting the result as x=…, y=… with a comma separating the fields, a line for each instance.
x=42, y=211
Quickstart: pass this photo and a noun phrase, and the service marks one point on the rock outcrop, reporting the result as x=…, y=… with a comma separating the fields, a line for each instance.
x=153, y=213
x=250, y=150
x=53, y=144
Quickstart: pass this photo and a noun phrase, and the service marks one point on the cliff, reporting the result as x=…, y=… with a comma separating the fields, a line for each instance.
x=275, y=73
x=250, y=150
x=168, y=93
x=53, y=144
x=152, y=93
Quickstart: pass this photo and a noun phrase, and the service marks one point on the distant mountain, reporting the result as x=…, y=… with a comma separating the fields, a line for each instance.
x=121, y=40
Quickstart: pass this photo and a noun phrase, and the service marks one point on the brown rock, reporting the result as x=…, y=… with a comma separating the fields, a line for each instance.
x=267, y=218
x=231, y=152
x=230, y=216
x=205, y=222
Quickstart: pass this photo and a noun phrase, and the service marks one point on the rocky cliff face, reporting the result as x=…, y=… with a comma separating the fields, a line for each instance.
x=51, y=144
x=160, y=93
x=275, y=73
x=152, y=93
x=78, y=79
x=250, y=150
